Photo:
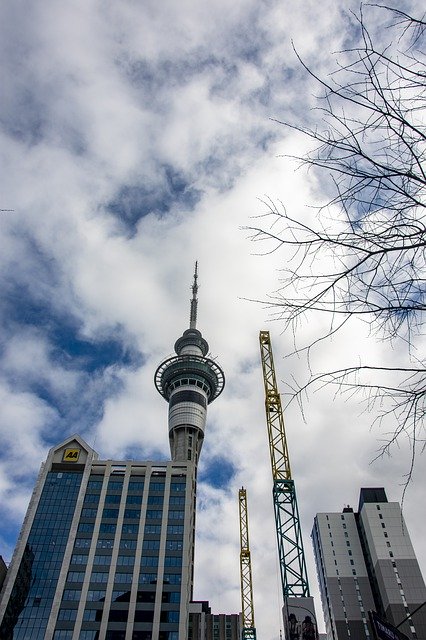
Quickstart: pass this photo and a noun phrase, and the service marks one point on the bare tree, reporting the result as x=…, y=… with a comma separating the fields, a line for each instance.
x=367, y=261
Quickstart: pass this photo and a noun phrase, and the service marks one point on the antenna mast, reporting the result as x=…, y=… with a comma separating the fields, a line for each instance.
x=194, y=300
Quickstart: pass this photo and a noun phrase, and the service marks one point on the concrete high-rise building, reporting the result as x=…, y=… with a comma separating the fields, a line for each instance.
x=106, y=551
x=205, y=625
x=366, y=562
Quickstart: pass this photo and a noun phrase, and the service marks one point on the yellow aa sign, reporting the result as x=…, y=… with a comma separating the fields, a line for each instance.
x=71, y=455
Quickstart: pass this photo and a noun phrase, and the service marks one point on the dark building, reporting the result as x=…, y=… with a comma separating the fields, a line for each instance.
x=205, y=625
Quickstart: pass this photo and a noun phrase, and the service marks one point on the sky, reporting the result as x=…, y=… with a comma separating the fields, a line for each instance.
x=136, y=138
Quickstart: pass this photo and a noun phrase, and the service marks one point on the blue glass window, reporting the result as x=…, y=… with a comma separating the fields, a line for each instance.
x=46, y=546
x=135, y=485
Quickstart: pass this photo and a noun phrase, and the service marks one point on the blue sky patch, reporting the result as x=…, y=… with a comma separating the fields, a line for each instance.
x=218, y=472
x=134, y=201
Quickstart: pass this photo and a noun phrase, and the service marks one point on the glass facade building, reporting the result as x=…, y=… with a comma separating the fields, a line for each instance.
x=105, y=552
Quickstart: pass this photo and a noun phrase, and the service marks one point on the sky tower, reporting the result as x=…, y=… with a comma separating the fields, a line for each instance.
x=106, y=550
x=189, y=381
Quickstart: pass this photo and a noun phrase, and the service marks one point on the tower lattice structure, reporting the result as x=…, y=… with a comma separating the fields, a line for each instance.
x=294, y=577
x=249, y=629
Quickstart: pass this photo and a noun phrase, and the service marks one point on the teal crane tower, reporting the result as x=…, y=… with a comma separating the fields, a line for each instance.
x=294, y=579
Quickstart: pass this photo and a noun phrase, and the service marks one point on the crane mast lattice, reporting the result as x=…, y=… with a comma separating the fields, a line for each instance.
x=249, y=630
x=289, y=535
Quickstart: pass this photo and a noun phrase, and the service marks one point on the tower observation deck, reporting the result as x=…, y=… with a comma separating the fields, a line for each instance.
x=189, y=381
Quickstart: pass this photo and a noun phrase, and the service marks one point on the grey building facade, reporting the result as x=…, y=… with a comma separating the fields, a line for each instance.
x=205, y=625
x=365, y=561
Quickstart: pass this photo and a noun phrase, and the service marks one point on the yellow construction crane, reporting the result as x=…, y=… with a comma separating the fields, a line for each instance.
x=249, y=630
x=280, y=460
x=289, y=536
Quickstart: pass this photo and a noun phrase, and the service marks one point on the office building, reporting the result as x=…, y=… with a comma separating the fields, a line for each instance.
x=205, y=625
x=366, y=562
x=3, y=571
x=106, y=551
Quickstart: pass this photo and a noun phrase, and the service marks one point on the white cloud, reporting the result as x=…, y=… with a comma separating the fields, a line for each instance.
x=100, y=96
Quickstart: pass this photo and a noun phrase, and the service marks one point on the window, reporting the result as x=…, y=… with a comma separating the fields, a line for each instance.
x=136, y=485
x=176, y=515
x=154, y=515
x=155, y=500
x=172, y=578
x=67, y=614
x=177, y=500
x=107, y=528
x=115, y=485
x=156, y=486
x=89, y=615
x=123, y=578
x=173, y=561
x=120, y=596
x=174, y=529
x=149, y=561
x=132, y=514
x=103, y=560
x=107, y=543
x=136, y=499
x=78, y=559
x=128, y=544
x=177, y=486
x=172, y=596
x=169, y=616
x=151, y=544
x=174, y=545
x=98, y=576
x=71, y=594
x=125, y=561
x=153, y=528
x=147, y=578
x=95, y=595
x=112, y=498
x=130, y=528
x=82, y=543
x=75, y=576
x=110, y=513
x=94, y=484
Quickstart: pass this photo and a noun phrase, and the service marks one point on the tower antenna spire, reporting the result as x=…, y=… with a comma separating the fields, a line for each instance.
x=194, y=300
